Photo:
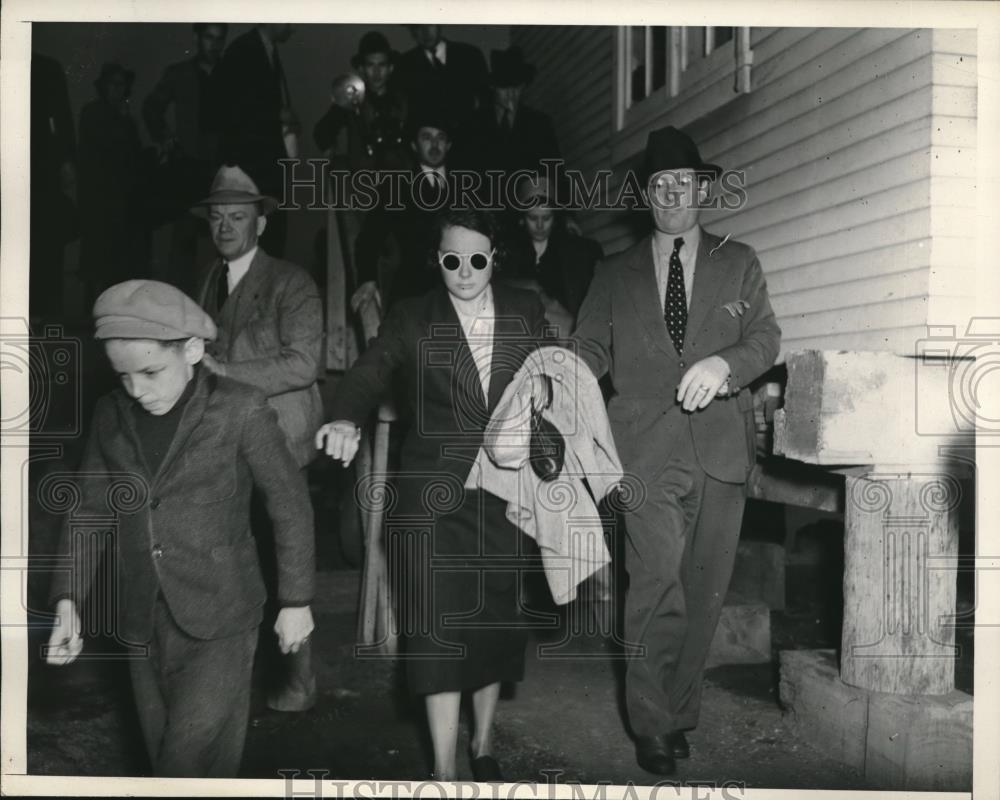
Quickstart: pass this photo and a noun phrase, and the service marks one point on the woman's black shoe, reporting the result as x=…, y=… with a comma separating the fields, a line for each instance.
x=485, y=769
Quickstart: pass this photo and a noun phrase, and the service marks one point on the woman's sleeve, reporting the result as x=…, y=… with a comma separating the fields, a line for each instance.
x=367, y=382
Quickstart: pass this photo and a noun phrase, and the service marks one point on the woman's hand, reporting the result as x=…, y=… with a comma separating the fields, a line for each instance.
x=339, y=440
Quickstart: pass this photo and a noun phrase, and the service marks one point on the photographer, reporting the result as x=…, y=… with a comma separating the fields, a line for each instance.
x=374, y=122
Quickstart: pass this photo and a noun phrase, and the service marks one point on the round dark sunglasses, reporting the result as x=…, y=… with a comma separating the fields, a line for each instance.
x=478, y=260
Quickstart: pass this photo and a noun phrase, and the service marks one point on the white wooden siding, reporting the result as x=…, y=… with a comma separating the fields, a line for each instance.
x=859, y=152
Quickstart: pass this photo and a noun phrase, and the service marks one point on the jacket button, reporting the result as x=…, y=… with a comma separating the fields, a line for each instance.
x=155, y=503
x=682, y=364
x=157, y=551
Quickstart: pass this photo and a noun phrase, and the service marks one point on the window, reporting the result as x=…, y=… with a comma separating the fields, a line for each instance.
x=658, y=63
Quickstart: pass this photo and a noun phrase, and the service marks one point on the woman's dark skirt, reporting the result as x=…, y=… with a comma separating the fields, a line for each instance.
x=457, y=579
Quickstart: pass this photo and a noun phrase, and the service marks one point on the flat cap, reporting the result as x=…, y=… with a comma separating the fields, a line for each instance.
x=142, y=309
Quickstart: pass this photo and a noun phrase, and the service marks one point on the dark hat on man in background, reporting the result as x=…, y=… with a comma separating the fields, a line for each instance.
x=507, y=68
x=232, y=186
x=372, y=42
x=430, y=112
x=142, y=309
x=111, y=69
x=670, y=148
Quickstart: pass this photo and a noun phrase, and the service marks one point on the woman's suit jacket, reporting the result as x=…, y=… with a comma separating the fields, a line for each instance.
x=421, y=341
x=185, y=530
x=621, y=332
x=271, y=337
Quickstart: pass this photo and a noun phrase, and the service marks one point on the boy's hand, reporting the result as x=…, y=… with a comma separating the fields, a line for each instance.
x=293, y=627
x=65, y=642
x=339, y=440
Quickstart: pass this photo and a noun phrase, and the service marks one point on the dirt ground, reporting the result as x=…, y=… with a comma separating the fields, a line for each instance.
x=563, y=723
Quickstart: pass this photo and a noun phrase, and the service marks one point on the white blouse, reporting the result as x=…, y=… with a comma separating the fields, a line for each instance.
x=478, y=328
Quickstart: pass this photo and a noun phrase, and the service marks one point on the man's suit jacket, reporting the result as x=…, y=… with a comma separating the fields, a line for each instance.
x=251, y=89
x=271, y=337
x=621, y=332
x=463, y=84
x=529, y=140
x=180, y=86
x=185, y=530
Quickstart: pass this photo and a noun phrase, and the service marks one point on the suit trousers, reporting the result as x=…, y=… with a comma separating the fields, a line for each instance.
x=193, y=699
x=679, y=554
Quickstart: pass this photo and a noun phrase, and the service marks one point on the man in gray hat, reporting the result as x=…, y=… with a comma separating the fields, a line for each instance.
x=682, y=323
x=270, y=321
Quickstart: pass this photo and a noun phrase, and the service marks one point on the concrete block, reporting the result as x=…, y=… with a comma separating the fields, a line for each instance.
x=920, y=742
x=822, y=709
x=743, y=635
x=759, y=574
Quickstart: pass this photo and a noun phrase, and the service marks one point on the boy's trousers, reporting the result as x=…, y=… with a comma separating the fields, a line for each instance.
x=193, y=699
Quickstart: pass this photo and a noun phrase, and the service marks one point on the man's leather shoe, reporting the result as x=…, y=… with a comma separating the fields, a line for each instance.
x=654, y=754
x=679, y=744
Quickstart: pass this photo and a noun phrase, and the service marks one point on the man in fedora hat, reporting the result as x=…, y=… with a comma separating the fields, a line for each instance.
x=510, y=134
x=682, y=324
x=270, y=322
x=375, y=120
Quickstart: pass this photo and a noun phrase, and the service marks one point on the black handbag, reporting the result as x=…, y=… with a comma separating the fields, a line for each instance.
x=547, y=448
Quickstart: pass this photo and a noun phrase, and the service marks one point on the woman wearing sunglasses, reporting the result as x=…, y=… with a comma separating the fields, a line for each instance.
x=455, y=350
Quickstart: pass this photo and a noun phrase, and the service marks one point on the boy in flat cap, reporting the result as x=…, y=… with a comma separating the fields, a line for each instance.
x=682, y=324
x=186, y=580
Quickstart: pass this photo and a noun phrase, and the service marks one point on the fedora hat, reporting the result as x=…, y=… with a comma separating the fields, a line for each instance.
x=670, y=148
x=508, y=68
x=232, y=186
x=372, y=42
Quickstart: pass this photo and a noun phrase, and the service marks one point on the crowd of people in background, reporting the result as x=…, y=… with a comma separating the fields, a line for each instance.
x=439, y=106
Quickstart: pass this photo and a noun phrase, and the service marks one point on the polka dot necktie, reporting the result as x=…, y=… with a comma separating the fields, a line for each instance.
x=675, y=311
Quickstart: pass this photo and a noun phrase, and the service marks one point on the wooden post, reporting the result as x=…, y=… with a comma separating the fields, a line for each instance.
x=896, y=635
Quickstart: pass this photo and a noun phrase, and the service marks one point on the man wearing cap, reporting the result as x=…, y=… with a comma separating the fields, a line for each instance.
x=375, y=121
x=682, y=324
x=171, y=457
x=270, y=321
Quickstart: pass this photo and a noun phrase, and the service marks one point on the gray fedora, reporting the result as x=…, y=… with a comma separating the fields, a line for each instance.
x=232, y=186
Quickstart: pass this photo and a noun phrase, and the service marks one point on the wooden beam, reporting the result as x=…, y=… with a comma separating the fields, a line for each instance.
x=860, y=407
x=792, y=483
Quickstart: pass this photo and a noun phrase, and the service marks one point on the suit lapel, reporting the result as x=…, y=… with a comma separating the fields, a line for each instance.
x=708, y=276
x=125, y=438
x=244, y=302
x=646, y=295
x=194, y=410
